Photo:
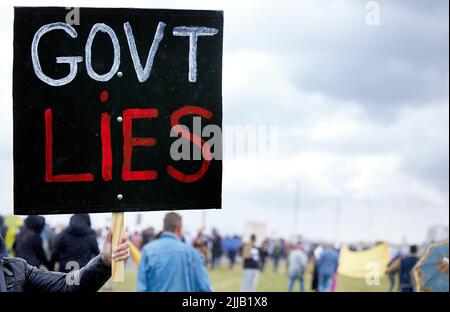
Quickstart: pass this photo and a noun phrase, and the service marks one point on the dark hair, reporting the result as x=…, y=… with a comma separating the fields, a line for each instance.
x=35, y=223
x=82, y=218
x=413, y=249
x=172, y=221
x=253, y=238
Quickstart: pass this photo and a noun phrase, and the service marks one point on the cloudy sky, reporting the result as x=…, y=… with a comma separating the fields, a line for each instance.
x=362, y=113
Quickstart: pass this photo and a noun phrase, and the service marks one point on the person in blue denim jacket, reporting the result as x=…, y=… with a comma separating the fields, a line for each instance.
x=327, y=266
x=169, y=265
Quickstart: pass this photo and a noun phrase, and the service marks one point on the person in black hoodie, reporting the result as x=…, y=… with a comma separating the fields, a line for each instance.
x=3, y=228
x=77, y=243
x=3, y=251
x=28, y=244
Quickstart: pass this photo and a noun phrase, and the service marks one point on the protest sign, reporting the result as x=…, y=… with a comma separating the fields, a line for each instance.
x=104, y=102
x=100, y=108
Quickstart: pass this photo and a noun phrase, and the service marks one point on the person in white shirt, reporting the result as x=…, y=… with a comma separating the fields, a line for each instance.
x=297, y=265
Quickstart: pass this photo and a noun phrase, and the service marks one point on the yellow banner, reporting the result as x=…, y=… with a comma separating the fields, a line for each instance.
x=359, y=264
x=135, y=253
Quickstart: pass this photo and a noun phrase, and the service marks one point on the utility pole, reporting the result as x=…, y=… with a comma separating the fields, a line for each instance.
x=203, y=219
x=296, y=207
x=370, y=219
x=338, y=217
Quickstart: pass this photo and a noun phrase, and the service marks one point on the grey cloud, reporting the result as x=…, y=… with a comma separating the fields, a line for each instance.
x=383, y=67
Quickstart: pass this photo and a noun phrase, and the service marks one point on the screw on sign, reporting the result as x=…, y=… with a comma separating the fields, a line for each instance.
x=109, y=92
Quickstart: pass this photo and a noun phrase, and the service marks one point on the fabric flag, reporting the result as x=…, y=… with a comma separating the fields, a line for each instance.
x=13, y=223
x=360, y=264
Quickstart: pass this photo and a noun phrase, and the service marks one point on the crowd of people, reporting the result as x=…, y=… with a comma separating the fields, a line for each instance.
x=41, y=246
x=172, y=260
x=29, y=270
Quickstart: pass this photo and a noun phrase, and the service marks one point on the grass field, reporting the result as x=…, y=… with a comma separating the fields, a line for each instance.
x=224, y=280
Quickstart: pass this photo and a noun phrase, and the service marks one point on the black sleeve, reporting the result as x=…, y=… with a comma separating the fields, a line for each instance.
x=55, y=250
x=88, y=279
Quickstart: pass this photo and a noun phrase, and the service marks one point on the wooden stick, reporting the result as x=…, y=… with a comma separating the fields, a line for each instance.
x=118, y=267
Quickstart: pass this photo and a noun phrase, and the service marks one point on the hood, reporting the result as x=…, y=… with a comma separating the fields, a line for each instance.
x=80, y=225
x=35, y=223
x=2, y=246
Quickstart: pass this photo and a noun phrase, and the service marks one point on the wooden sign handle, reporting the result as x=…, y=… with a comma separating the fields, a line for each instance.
x=118, y=267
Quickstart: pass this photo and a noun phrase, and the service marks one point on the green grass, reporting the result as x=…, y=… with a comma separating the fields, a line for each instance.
x=224, y=280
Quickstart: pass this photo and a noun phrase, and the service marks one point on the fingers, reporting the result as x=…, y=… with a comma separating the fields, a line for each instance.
x=123, y=239
x=121, y=255
x=122, y=247
x=122, y=258
x=122, y=251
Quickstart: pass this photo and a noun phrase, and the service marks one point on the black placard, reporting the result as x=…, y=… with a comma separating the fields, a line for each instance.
x=61, y=146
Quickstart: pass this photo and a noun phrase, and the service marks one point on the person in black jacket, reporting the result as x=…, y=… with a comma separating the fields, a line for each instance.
x=16, y=275
x=28, y=244
x=3, y=228
x=75, y=244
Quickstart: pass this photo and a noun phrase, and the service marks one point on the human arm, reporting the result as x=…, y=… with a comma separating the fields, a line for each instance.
x=201, y=276
x=88, y=279
x=38, y=250
x=394, y=267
